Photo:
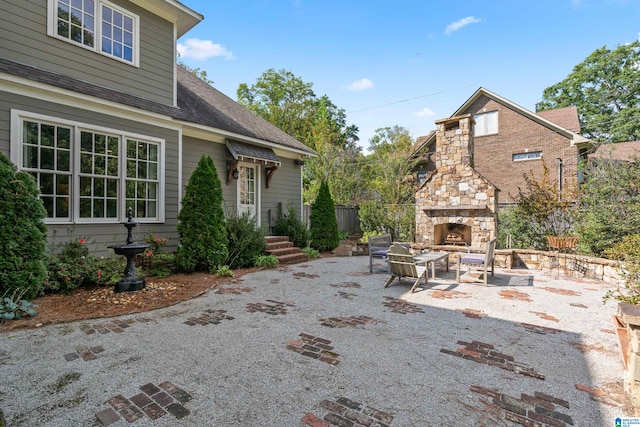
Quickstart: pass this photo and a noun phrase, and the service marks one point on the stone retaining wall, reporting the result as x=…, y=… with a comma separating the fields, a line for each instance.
x=550, y=262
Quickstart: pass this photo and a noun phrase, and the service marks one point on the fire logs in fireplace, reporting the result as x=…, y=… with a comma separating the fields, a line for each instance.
x=454, y=239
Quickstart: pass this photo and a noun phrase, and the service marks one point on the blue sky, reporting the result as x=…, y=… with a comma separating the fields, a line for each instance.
x=405, y=62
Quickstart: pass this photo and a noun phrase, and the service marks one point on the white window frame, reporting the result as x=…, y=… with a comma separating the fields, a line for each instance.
x=256, y=192
x=483, y=121
x=526, y=156
x=52, y=29
x=19, y=116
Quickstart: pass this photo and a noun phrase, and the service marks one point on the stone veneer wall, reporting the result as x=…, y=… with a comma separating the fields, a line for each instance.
x=456, y=193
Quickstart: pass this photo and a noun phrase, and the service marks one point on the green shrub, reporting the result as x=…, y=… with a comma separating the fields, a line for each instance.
x=224, y=271
x=160, y=263
x=23, y=242
x=628, y=252
x=201, y=227
x=72, y=267
x=289, y=225
x=323, y=222
x=266, y=261
x=110, y=270
x=246, y=240
x=312, y=253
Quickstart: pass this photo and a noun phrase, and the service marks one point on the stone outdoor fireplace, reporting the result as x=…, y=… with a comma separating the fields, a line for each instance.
x=456, y=205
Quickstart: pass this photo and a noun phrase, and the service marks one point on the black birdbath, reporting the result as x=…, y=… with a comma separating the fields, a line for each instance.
x=130, y=281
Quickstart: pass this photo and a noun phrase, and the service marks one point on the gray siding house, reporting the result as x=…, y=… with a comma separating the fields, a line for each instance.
x=94, y=106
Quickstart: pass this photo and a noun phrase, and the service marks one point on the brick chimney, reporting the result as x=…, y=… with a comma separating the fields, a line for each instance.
x=454, y=142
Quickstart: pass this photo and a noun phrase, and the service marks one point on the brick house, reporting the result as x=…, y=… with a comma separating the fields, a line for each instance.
x=510, y=141
x=95, y=107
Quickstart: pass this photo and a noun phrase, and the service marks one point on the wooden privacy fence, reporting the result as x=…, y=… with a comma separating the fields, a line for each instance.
x=347, y=216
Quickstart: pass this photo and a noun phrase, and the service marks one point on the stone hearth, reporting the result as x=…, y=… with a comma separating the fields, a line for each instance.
x=456, y=202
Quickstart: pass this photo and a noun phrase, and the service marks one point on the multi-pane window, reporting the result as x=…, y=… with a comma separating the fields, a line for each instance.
x=90, y=175
x=96, y=24
x=486, y=123
x=99, y=175
x=117, y=33
x=76, y=21
x=531, y=155
x=46, y=154
x=142, y=180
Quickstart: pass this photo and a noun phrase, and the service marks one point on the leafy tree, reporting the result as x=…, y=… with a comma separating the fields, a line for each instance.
x=542, y=209
x=609, y=204
x=201, y=228
x=605, y=88
x=323, y=222
x=289, y=103
x=391, y=184
x=23, y=246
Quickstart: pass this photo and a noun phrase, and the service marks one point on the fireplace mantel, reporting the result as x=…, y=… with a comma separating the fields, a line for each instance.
x=455, y=208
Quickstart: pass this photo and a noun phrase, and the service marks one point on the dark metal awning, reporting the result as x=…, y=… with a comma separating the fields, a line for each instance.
x=253, y=153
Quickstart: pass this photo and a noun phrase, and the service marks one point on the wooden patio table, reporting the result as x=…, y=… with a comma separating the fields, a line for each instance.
x=431, y=258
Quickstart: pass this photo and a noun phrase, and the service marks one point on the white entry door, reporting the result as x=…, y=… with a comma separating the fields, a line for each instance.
x=248, y=186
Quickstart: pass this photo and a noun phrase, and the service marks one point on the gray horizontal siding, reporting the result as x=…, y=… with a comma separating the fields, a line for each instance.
x=23, y=38
x=192, y=151
x=285, y=186
x=285, y=190
x=103, y=234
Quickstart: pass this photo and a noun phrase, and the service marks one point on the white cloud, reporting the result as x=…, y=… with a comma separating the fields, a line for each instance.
x=361, y=84
x=425, y=112
x=202, y=49
x=461, y=23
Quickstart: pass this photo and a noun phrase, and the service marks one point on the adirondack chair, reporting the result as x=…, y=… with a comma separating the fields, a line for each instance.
x=478, y=262
x=378, y=247
x=403, y=264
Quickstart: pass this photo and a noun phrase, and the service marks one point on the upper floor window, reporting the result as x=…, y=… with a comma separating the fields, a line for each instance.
x=486, y=123
x=531, y=155
x=97, y=25
x=87, y=174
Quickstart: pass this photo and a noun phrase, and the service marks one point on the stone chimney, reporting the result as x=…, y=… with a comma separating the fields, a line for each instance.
x=454, y=142
x=456, y=205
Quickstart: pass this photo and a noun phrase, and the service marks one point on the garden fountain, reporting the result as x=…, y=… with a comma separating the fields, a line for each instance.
x=130, y=281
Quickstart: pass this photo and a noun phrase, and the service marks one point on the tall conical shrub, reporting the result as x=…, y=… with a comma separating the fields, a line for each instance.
x=23, y=241
x=325, y=235
x=202, y=229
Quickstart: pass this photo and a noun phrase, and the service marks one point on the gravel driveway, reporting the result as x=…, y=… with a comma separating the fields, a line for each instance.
x=325, y=342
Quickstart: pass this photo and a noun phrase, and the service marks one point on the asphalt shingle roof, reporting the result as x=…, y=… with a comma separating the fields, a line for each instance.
x=625, y=151
x=198, y=103
x=203, y=104
x=567, y=117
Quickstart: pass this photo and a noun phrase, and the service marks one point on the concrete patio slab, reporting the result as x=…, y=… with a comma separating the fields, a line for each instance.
x=324, y=343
